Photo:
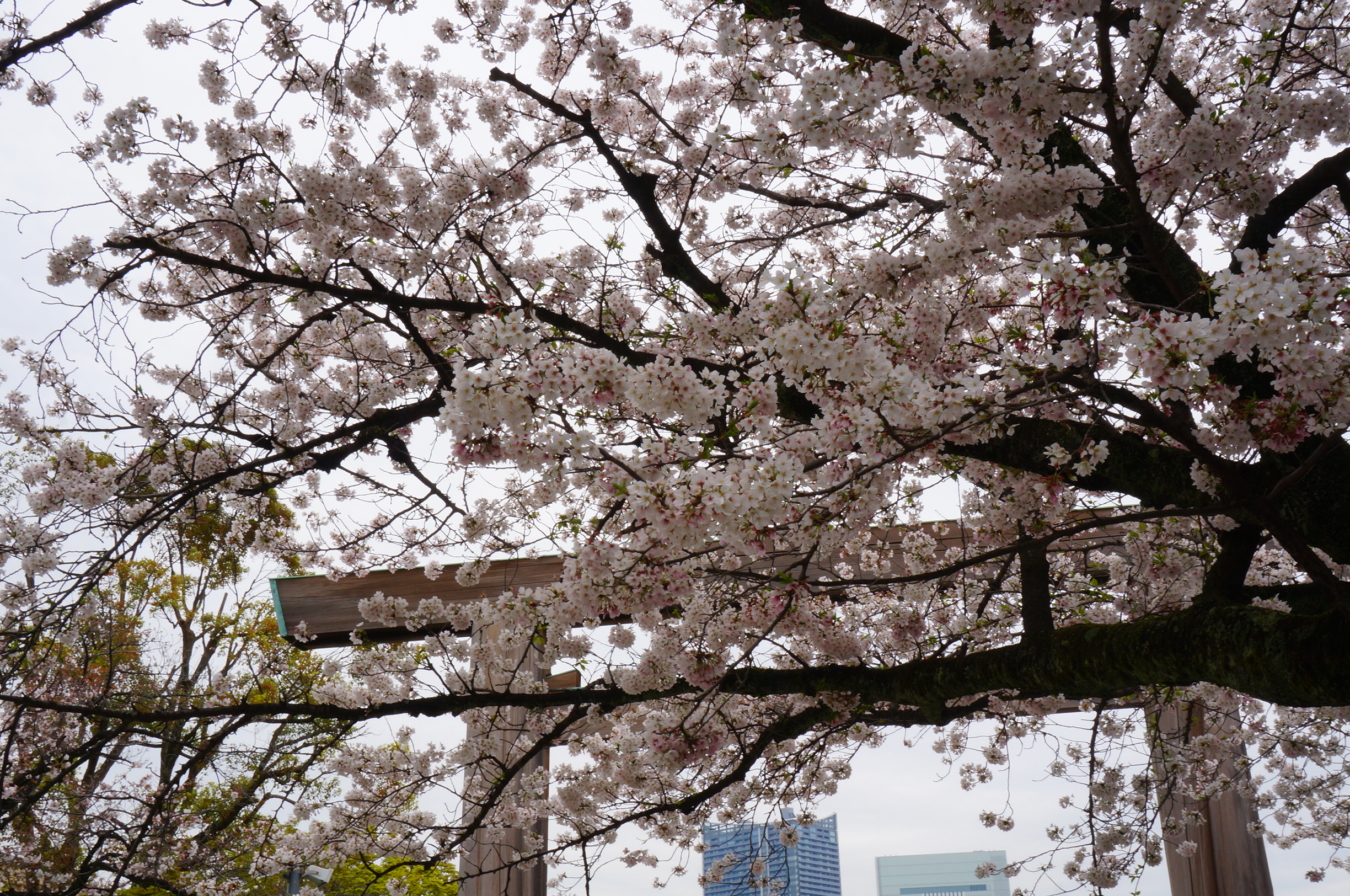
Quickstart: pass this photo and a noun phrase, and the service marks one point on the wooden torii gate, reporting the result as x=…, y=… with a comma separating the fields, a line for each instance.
x=1228, y=860
x=330, y=612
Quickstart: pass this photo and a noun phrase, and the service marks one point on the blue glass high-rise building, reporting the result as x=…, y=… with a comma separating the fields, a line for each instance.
x=762, y=865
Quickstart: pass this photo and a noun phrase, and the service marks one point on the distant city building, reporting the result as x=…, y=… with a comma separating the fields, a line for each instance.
x=941, y=874
x=807, y=867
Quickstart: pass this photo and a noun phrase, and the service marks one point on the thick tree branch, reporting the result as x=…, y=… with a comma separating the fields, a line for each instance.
x=1262, y=229
x=1278, y=657
x=1314, y=503
x=834, y=30
x=1158, y=475
x=1285, y=658
x=1223, y=580
x=1180, y=95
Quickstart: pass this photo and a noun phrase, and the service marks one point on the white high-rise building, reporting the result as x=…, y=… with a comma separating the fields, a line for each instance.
x=941, y=874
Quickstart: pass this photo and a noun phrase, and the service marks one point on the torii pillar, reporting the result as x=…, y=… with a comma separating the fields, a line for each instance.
x=490, y=866
x=1228, y=860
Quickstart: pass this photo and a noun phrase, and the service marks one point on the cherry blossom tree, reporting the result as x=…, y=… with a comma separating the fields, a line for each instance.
x=706, y=303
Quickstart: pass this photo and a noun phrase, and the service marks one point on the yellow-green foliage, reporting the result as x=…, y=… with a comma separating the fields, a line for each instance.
x=371, y=877
x=202, y=798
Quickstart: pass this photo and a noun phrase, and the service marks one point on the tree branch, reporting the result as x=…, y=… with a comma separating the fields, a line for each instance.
x=1285, y=658
x=676, y=262
x=1038, y=623
x=1262, y=229
x=834, y=30
x=17, y=51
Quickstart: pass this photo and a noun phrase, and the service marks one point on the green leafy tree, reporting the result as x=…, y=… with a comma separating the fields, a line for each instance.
x=96, y=803
x=366, y=877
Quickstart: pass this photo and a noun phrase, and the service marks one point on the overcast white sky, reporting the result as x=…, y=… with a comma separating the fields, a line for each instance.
x=895, y=803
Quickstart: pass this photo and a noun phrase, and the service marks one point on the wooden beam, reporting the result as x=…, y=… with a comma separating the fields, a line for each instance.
x=564, y=681
x=330, y=608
